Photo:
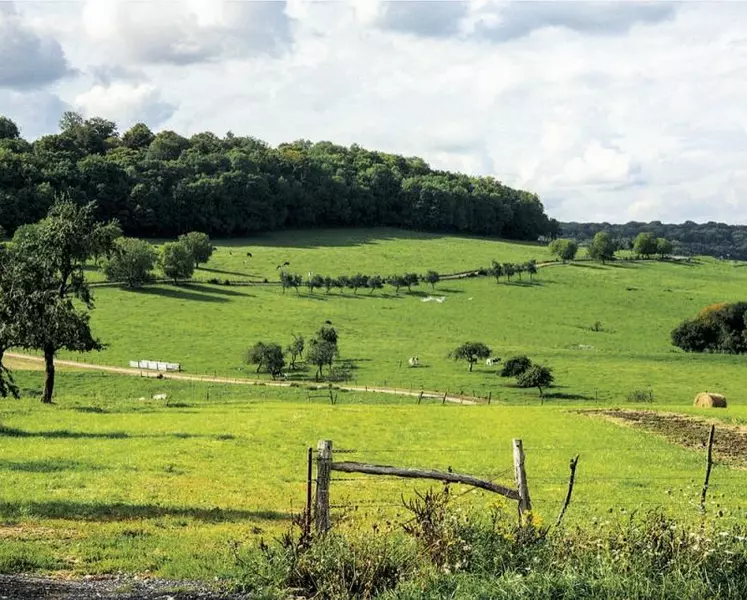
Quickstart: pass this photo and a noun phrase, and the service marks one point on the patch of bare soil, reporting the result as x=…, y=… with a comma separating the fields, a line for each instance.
x=22, y=587
x=729, y=442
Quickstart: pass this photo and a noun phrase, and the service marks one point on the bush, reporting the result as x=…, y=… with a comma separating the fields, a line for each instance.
x=717, y=328
x=641, y=396
x=515, y=366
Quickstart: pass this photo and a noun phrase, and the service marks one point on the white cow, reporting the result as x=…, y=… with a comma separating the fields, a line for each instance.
x=492, y=361
x=413, y=361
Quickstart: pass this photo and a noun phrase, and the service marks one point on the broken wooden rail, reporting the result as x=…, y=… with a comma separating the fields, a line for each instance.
x=325, y=466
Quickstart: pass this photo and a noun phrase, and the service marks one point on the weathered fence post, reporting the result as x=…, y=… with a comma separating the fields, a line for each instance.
x=709, y=464
x=309, y=483
x=323, y=472
x=525, y=504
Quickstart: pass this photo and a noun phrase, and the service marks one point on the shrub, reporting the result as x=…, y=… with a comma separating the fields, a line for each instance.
x=641, y=396
x=717, y=328
x=515, y=366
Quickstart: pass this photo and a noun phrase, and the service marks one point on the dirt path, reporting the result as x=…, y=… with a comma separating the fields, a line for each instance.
x=454, y=399
x=24, y=587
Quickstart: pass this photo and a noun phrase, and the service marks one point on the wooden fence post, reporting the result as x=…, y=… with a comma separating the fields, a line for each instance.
x=709, y=464
x=309, y=483
x=323, y=472
x=525, y=504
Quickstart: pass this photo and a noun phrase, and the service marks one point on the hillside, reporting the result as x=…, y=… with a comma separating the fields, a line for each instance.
x=208, y=327
x=165, y=184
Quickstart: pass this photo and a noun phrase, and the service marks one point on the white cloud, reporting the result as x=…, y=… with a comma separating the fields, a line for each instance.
x=617, y=112
x=125, y=103
x=188, y=31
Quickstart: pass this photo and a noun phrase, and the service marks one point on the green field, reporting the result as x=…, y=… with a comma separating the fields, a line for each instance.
x=207, y=327
x=105, y=482
x=109, y=480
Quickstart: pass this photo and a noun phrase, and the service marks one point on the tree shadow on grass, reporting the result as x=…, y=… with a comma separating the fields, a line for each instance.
x=49, y=466
x=213, y=289
x=120, y=511
x=564, y=396
x=224, y=272
x=62, y=434
x=180, y=293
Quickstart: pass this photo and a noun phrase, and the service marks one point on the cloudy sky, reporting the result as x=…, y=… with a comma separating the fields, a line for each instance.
x=608, y=110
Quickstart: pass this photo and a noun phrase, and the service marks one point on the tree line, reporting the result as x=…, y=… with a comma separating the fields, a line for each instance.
x=164, y=184
x=603, y=247
x=688, y=238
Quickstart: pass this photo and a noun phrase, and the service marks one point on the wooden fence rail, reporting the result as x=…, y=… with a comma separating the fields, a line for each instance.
x=325, y=466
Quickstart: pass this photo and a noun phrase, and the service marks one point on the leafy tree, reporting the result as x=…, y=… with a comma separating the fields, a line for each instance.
x=329, y=283
x=343, y=281
x=295, y=281
x=321, y=353
x=531, y=268
x=433, y=278
x=256, y=355
x=536, y=376
x=274, y=360
x=295, y=349
x=664, y=247
x=410, y=280
x=8, y=129
x=315, y=281
x=176, y=261
x=602, y=247
x=515, y=366
x=11, y=314
x=471, y=352
x=199, y=245
x=375, y=282
x=496, y=270
x=509, y=270
x=564, y=249
x=645, y=244
x=518, y=270
x=328, y=334
x=358, y=281
x=397, y=282
x=50, y=259
x=132, y=262
x=138, y=137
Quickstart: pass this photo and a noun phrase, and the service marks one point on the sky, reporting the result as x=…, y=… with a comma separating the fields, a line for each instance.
x=609, y=111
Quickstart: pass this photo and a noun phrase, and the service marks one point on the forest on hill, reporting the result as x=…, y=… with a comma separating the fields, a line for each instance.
x=165, y=184
x=688, y=238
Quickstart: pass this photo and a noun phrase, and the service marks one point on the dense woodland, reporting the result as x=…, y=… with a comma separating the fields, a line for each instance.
x=688, y=238
x=164, y=185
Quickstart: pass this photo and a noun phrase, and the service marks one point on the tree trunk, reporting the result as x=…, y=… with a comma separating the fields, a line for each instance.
x=470, y=366
x=49, y=379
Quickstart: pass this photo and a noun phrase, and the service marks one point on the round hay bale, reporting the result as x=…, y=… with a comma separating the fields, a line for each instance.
x=710, y=400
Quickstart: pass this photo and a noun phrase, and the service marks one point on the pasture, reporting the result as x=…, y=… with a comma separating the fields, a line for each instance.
x=208, y=327
x=109, y=480
x=103, y=482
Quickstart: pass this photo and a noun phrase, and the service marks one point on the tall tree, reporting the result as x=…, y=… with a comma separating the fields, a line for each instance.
x=51, y=258
x=602, y=247
x=645, y=244
x=564, y=249
x=199, y=245
x=132, y=262
x=177, y=262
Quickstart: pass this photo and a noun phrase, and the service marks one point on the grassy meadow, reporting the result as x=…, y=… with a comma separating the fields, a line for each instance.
x=208, y=327
x=104, y=482
x=109, y=480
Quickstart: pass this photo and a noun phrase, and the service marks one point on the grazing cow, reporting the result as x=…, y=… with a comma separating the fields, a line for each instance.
x=492, y=361
x=249, y=254
x=413, y=361
x=286, y=264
